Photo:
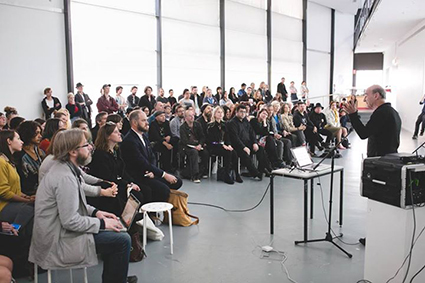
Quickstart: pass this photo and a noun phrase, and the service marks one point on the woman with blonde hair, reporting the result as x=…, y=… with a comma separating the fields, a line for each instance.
x=65, y=117
x=218, y=143
x=287, y=123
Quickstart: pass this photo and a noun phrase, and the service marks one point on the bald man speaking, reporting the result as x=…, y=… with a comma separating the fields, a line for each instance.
x=383, y=128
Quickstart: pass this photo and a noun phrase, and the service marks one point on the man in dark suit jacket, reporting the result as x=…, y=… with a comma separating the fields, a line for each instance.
x=281, y=88
x=140, y=161
x=148, y=99
x=85, y=102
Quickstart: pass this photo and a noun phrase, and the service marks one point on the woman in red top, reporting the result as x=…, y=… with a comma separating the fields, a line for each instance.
x=52, y=125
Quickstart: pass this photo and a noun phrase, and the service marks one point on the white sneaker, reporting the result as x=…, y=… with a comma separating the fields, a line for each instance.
x=197, y=181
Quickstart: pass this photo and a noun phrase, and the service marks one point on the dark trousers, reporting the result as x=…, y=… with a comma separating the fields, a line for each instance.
x=328, y=134
x=419, y=120
x=312, y=138
x=271, y=148
x=230, y=158
x=196, y=168
x=287, y=145
x=247, y=161
x=157, y=189
x=115, y=250
x=165, y=153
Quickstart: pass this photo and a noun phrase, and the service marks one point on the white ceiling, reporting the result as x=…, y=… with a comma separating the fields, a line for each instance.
x=391, y=21
x=344, y=6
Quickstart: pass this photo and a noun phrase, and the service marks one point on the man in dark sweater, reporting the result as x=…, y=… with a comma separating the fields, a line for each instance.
x=383, y=128
x=192, y=140
x=281, y=88
x=161, y=140
x=311, y=133
x=205, y=118
x=243, y=140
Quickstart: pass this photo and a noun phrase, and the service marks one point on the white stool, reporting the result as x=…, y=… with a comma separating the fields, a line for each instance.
x=157, y=207
x=49, y=275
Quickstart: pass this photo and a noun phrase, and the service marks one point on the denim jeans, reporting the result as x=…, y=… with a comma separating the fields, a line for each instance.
x=115, y=250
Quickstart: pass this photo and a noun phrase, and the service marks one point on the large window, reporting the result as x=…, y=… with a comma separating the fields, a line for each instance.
x=246, y=43
x=114, y=42
x=191, y=44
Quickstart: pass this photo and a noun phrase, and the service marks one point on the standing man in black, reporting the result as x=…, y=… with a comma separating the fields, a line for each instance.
x=383, y=128
x=197, y=100
x=281, y=88
x=85, y=102
x=133, y=99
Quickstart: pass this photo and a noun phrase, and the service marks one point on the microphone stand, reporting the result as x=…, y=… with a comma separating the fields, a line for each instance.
x=328, y=235
x=418, y=148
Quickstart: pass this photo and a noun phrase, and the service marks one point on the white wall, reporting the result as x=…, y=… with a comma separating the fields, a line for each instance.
x=318, y=52
x=406, y=74
x=343, y=56
x=32, y=54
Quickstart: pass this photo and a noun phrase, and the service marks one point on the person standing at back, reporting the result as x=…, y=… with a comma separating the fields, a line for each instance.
x=383, y=128
x=85, y=102
x=281, y=88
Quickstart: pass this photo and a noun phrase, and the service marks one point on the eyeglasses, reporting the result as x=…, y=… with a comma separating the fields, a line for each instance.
x=86, y=145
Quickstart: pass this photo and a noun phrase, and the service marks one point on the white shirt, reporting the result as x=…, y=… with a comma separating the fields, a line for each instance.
x=140, y=137
x=50, y=103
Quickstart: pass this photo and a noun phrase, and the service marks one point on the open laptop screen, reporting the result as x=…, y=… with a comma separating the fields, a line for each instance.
x=302, y=156
x=130, y=210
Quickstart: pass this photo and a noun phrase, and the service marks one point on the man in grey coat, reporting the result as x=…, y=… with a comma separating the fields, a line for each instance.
x=67, y=231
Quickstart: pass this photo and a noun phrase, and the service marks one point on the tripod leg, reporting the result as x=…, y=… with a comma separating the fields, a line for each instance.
x=341, y=249
x=305, y=209
x=311, y=198
x=271, y=204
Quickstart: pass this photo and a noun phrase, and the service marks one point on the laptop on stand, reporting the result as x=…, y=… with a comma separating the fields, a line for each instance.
x=304, y=161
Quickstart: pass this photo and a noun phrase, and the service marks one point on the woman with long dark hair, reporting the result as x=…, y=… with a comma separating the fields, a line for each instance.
x=107, y=164
x=232, y=95
x=29, y=159
x=52, y=125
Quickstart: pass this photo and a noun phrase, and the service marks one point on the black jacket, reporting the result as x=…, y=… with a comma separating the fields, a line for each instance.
x=199, y=97
x=172, y=100
x=125, y=126
x=383, y=130
x=281, y=88
x=110, y=166
x=49, y=111
x=259, y=128
x=87, y=108
x=72, y=112
x=319, y=120
x=144, y=101
x=204, y=124
x=267, y=96
x=132, y=102
x=217, y=133
x=302, y=119
x=191, y=136
x=158, y=132
x=139, y=158
x=241, y=133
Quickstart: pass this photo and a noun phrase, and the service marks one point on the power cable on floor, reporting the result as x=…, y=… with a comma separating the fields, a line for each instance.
x=233, y=210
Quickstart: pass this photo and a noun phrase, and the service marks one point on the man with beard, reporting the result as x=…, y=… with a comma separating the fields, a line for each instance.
x=205, y=118
x=141, y=162
x=61, y=209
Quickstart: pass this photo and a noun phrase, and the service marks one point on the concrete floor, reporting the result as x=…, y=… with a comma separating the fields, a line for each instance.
x=224, y=246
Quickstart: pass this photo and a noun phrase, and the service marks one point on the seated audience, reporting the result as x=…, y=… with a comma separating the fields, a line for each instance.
x=219, y=95
x=61, y=209
x=319, y=121
x=243, y=140
x=263, y=130
x=161, y=140
x=6, y=268
x=42, y=122
x=117, y=119
x=81, y=124
x=242, y=91
x=63, y=115
x=205, y=118
x=107, y=164
x=297, y=133
x=311, y=133
x=145, y=109
x=73, y=108
x=100, y=120
x=28, y=160
x=192, y=139
x=50, y=104
x=15, y=122
x=133, y=99
x=247, y=95
x=3, y=123
x=159, y=106
x=106, y=103
x=186, y=101
x=10, y=113
x=209, y=98
x=225, y=100
x=232, y=95
x=197, y=99
x=52, y=125
x=148, y=99
x=141, y=164
x=218, y=143
x=125, y=122
x=167, y=111
x=334, y=125
x=282, y=138
x=15, y=207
